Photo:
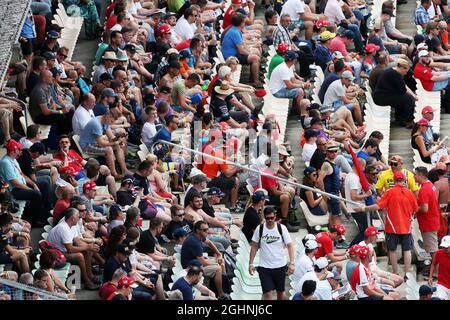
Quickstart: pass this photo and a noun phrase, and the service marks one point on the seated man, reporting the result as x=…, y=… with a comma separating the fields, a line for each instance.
x=325, y=239
x=63, y=236
x=193, y=249
x=220, y=107
x=93, y=142
x=8, y=254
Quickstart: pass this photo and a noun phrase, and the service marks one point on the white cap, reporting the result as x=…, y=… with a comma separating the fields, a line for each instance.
x=309, y=236
x=445, y=242
x=311, y=244
x=321, y=263
x=423, y=53
x=337, y=55
x=329, y=275
x=422, y=46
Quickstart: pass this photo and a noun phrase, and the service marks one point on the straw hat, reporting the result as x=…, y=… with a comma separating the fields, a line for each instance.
x=224, y=89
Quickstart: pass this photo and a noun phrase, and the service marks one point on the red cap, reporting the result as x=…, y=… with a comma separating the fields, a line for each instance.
x=354, y=250
x=69, y=170
x=13, y=145
x=321, y=23
x=283, y=47
x=260, y=93
x=236, y=2
x=164, y=28
x=423, y=122
x=427, y=109
x=372, y=47
x=371, y=231
x=90, y=185
x=399, y=176
x=127, y=282
x=340, y=228
x=363, y=252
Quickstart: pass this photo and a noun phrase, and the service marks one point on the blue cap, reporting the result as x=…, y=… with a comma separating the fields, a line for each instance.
x=196, y=98
x=108, y=92
x=195, y=263
x=348, y=34
x=214, y=191
x=185, y=54
x=260, y=195
x=426, y=290
x=49, y=55
x=53, y=35
x=180, y=232
x=309, y=170
x=291, y=55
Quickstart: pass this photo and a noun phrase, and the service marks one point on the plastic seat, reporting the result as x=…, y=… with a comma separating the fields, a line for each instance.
x=311, y=219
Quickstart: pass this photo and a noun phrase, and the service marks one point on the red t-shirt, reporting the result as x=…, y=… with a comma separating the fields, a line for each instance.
x=110, y=8
x=107, y=290
x=268, y=183
x=337, y=44
x=424, y=74
x=443, y=259
x=111, y=22
x=326, y=244
x=212, y=168
x=400, y=203
x=431, y=220
x=60, y=206
x=183, y=45
x=211, y=84
x=75, y=160
x=227, y=17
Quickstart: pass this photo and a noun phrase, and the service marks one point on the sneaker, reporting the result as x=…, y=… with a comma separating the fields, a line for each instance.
x=173, y=295
x=224, y=297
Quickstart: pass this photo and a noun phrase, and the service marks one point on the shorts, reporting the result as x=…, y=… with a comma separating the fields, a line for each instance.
x=288, y=93
x=297, y=24
x=334, y=206
x=274, y=201
x=94, y=150
x=210, y=270
x=442, y=292
x=340, y=103
x=393, y=49
x=440, y=85
x=430, y=241
x=272, y=279
x=101, y=181
x=371, y=298
x=317, y=211
x=243, y=58
x=5, y=258
x=393, y=240
x=222, y=182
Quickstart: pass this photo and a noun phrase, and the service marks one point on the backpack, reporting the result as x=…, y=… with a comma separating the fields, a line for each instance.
x=60, y=257
x=261, y=229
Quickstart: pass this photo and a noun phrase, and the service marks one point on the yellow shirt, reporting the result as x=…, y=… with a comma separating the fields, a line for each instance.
x=386, y=180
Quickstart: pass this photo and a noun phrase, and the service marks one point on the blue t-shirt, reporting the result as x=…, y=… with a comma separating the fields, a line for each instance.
x=232, y=38
x=10, y=170
x=363, y=155
x=100, y=109
x=28, y=30
x=351, y=265
x=91, y=131
x=297, y=296
x=192, y=249
x=163, y=134
x=191, y=61
x=322, y=56
x=185, y=288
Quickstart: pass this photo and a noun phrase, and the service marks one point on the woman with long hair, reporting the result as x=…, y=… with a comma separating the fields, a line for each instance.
x=117, y=236
x=314, y=202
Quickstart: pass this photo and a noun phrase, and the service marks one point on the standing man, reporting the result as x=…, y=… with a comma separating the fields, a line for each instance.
x=429, y=214
x=400, y=204
x=271, y=238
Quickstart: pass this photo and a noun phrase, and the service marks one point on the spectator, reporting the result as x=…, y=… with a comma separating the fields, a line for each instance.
x=386, y=178
x=278, y=58
x=116, y=217
x=400, y=204
x=318, y=275
x=305, y=263
x=84, y=113
x=315, y=203
x=33, y=135
x=178, y=222
x=107, y=64
x=165, y=133
x=442, y=261
x=325, y=239
x=271, y=238
x=426, y=292
x=310, y=145
x=8, y=254
x=307, y=293
x=124, y=290
x=254, y=213
x=187, y=283
x=108, y=97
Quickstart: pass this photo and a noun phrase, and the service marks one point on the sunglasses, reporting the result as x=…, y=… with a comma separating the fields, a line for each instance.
x=329, y=151
x=204, y=230
x=270, y=218
x=181, y=215
x=393, y=164
x=63, y=56
x=373, y=173
x=84, y=210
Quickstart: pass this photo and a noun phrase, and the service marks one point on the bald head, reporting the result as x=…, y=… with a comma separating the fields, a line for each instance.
x=46, y=76
x=88, y=101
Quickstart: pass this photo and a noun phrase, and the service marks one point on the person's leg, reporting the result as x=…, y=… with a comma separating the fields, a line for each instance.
x=21, y=260
x=234, y=193
x=45, y=186
x=309, y=30
x=109, y=156
x=120, y=157
x=393, y=260
x=218, y=282
x=253, y=60
x=247, y=100
x=285, y=200
x=361, y=220
x=38, y=215
x=357, y=39
x=343, y=164
x=78, y=259
x=357, y=114
x=5, y=122
x=407, y=260
x=159, y=289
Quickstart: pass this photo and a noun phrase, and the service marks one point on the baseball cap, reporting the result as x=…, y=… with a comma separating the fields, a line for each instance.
x=13, y=145
x=399, y=176
x=371, y=231
x=321, y=23
x=427, y=109
x=309, y=236
x=311, y=244
x=422, y=46
x=195, y=263
x=337, y=55
x=348, y=34
x=199, y=179
x=90, y=185
x=309, y=133
x=340, y=228
x=185, y=54
x=38, y=147
x=169, y=15
x=423, y=122
x=130, y=47
x=106, y=76
x=69, y=170
x=348, y=75
x=423, y=53
x=324, y=109
x=291, y=55
x=313, y=106
x=283, y=47
x=214, y=191
x=179, y=232
x=52, y=34
x=363, y=252
x=445, y=242
x=127, y=282
x=354, y=250
x=172, y=50
x=124, y=248
x=48, y=55
x=164, y=28
x=395, y=158
x=260, y=195
x=128, y=179
x=327, y=35
x=308, y=170
x=426, y=290
x=372, y=47
x=283, y=151
x=108, y=92
x=321, y=263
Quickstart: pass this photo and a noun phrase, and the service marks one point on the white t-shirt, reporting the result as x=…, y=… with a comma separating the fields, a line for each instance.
x=293, y=8
x=432, y=12
x=279, y=74
x=335, y=90
x=25, y=143
x=308, y=151
x=134, y=8
x=80, y=119
x=148, y=132
x=271, y=252
x=323, y=288
x=303, y=265
x=352, y=183
x=62, y=234
x=116, y=27
x=334, y=12
x=184, y=29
